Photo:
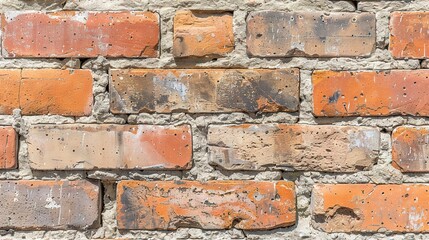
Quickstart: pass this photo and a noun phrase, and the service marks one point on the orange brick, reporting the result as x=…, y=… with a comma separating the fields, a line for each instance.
x=410, y=149
x=370, y=208
x=9, y=97
x=42, y=205
x=204, y=90
x=297, y=147
x=80, y=34
x=103, y=146
x=409, y=34
x=8, y=148
x=54, y=91
x=211, y=205
x=202, y=33
x=396, y=92
x=314, y=34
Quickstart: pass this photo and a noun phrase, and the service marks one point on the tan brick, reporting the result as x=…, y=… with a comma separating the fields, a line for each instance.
x=370, y=208
x=55, y=91
x=202, y=33
x=211, y=205
x=80, y=34
x=204, y=90
x=8, y=148
x=9, y=97
x=370, y=93
x=103, y=146
x=410, y=148
x=409, y=34
x=314, y=34
x=40, y=205
x=296, y=147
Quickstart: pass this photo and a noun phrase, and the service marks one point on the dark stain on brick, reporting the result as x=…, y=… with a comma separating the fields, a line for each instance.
x=334, y=98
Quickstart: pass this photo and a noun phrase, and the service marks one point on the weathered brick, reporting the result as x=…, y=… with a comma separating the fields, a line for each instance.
x=40, y=205
x=384, y=93
x=297, y=147
x=410, y=148
x=370, y=208
x=314, y=34
x=103, y=146
x=9, y=96
x=8, y=148
x=211, y=205
x=409, y=34
x=54, y=91
x=80, y=34
x=204, y=90
x=202, y=33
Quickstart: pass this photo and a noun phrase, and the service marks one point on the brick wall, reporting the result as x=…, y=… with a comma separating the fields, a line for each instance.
x=255, y=119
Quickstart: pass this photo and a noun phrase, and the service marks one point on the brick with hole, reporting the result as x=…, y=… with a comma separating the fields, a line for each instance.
x=104, y=146
x=370, y=208
x=202, y=34
x=8, y=148
x=167, y=205
x=409, y=33
x=370, y=93
x=204, y=90
x=311, y=34
x=47, y=205
x=293, y=147
x=80, y=34
x=410, y=148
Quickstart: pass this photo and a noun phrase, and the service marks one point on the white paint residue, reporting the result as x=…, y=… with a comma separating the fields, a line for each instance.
x=171, y=82
x=50, y=202
x=15, y=199
x=81, y=17
x=415, y=219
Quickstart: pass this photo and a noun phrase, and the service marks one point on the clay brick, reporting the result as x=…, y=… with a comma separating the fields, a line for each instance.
x=103, y=146
x=80, y=34
x=313, y=34
x=41, y=205
x=54, y=91
x=410, y=148
x=211, y=205
x=396, y=92
x=9, y=97
x=204, y=90
x=370, y=208
x=8, y=148
x=409, y=34
x=294, y=147
x=202, y=33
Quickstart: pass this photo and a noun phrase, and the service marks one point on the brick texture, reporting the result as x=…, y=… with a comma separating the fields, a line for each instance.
x=202, y=33
x=285, y=34
x=10, y=84
x=105, y=146
x=36, y=204
x=370, y=208
x=212, y=205
x=204, y=90
x=409, y=34
x=80, y=34
x=297, y=147
x=410, y=147
x=8, y=148
x=370, y=93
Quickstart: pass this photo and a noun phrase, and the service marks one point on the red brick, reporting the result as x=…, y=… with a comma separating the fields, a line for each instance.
x=42, y=205
x=204, y=90
x=8, y=148
x=410, y=148
x=103, y=146
x=202, y=33
x=314, y=34
x=80, y=34
x=245, y=205
x=9, y=97
x=409, y=34
x=370, y=208
x=370, y=93
x=295, y=147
